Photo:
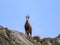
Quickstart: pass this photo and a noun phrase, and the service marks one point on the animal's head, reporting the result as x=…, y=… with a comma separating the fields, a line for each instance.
x=27, y=18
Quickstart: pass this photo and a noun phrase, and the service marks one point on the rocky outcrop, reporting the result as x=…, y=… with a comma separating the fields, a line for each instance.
x=11, y=37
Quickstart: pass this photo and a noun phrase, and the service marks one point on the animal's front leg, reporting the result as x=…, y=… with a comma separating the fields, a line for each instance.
x=30, y=32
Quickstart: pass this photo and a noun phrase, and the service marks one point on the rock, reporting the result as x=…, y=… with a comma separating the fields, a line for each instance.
x=11, y=37
x=58, y=36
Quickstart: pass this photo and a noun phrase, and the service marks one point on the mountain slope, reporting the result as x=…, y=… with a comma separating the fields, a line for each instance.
x=10, y=37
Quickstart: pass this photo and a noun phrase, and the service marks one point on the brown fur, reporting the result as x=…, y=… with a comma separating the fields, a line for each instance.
x=28, y=28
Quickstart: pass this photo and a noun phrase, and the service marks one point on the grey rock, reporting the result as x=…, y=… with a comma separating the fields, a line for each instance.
x=11, y=37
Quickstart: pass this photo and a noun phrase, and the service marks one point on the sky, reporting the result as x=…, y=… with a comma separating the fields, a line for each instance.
x=44, y=16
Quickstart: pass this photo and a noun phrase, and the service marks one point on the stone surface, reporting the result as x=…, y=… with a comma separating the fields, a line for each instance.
x=11, y=37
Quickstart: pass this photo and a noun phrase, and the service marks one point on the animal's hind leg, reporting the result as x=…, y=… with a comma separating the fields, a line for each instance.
x=30, y=33
x=27, y=33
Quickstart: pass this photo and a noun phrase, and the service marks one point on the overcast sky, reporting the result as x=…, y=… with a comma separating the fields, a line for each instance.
x=44, y=16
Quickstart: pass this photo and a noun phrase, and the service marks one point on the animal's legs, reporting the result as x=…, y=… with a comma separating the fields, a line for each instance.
x=30, y=33
x=27, y=33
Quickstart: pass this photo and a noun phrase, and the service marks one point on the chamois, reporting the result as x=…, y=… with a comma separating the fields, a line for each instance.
x=27, y=26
